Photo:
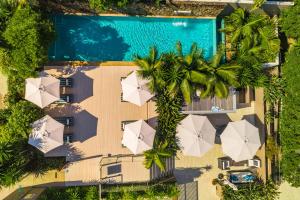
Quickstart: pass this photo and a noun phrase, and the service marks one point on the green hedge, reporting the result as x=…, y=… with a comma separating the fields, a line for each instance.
x=290, y=119
x=71, y=193
x=290, y=19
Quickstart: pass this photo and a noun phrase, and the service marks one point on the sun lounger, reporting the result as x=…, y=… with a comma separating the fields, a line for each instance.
x=224, y=163
x=123, y=123
x=68, y=138
x=67, y=121
x=66, y=82
x=254, y=162
x=66, y=98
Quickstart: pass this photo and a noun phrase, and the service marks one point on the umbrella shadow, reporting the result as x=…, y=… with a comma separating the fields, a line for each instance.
x=219, y=121
x=85, y=126
x=72, y=68
x=68, y=150
x=82, y=86
x=63, y=110
x=187, y=175
x=255, y=121
x=152, y=122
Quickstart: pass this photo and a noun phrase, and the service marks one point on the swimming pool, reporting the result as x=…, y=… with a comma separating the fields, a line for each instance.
x=103, y=38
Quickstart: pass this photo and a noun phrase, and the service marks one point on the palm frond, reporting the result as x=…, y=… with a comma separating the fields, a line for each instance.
x=218, y=56
x=221, y=90
x=179, y=49
x=197, y=77
x=186, y=90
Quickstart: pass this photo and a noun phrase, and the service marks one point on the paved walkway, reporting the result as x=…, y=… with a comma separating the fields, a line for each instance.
x=24, y=186
x=205, y=169
x=288, y=192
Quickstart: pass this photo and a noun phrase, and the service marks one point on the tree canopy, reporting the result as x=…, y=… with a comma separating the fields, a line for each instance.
x=256, y=190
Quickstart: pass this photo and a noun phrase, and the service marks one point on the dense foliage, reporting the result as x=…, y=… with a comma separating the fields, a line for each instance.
x=16, y=156
x=71, y=193
x=290, y=119
x=153, y=192
x=133, y=192
x=100, y=5
x=252, y=35
x=290, y=21
x=257, y=190
x=24, y=47
x=24, y=39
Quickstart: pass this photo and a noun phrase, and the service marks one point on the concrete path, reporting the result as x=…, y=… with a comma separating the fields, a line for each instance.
x=25, y=186
x=288, y=192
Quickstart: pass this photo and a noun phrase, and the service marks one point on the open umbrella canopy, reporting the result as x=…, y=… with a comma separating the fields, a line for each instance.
x=42, y=91
x=135, y=89
x=47, y=134
x=196, y=135
x=240, y=140
x=138, y=136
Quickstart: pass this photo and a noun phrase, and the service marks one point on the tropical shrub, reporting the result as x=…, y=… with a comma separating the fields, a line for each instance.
x=252, y=34
x=71, y=193
x=257, y=190
x=165, y=144
x=28, y=37
x=155, y=192
x=274, y=90
x=251, y=72
x=289, y=128
x=219, y=76
x=289, y=20
x=101, y=5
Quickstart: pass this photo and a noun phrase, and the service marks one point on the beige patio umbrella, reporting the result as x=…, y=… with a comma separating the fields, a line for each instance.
x=240, y=140
x=135, y=89
x=196, y=135
x=138, y=136
x=42, y=91
x=47, y=134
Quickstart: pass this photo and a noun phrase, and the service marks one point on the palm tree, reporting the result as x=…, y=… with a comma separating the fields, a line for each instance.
x=157, y=155
x=219, y=76
x=149, y=67
x=181, y=71
x=252, y=34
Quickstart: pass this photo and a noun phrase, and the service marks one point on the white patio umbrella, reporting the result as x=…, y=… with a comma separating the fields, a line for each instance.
x=196, y=135
x=42, y=91
x=138, y=136
x=135, y=89
x=47, y=134
x=240, y=140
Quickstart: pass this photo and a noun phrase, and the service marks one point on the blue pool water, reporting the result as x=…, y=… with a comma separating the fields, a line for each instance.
x=101, y=38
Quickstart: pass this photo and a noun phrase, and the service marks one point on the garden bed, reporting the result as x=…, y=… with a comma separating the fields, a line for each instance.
x=136, y=8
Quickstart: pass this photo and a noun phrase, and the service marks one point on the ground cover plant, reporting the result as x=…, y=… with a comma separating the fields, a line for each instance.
x=70, y=193
x=24, y=39
x=257, y=190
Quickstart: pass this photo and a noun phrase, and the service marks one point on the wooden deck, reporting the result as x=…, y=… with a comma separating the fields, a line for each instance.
x=98, y=113
x=211, y=105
